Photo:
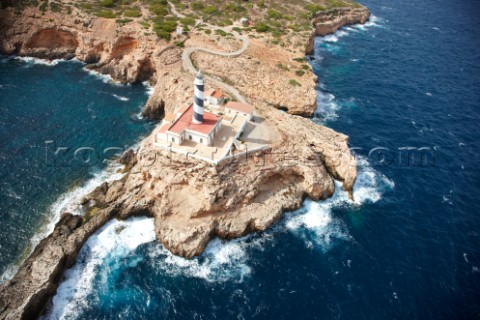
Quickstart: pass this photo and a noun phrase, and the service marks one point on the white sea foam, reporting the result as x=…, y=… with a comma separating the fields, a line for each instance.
x=121, y=98
x=370, y=184
x=327, y=107
x=374, y=21
x=314, y=222
x=315, y=225
x=70, y=202
x=221, y=261
x=335, y=36
x=116, y=239
x=38, y=61
x=106, y=78
x=150, y=88
x=330, y=38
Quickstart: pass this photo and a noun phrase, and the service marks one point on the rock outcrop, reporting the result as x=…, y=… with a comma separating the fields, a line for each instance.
x=327, y=22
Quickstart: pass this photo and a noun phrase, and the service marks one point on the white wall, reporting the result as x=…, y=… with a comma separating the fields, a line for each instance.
x=232, y=113
x=197, y=138
x=174, y=138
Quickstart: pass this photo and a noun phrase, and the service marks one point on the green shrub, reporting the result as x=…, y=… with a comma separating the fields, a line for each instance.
x=221, y=32
x=164, y=28
x=208, y=31
x=43, y=7
x=86, y=6
x=105, y=14
x=277, y=33
x=261, y=27
x=299, y=59
x=158, y=10
x=234, y=7
x=163, y=34
x=314, y=8
x=145, y=24
x=281, y=66
x=55, y=7
x=294, y=83
x=188, y=21
x=210, y=10
x=299, y=73
x=226, y=22
x=305, y=67
x=133, y=13
x=196, y=6
x=106, y=3
x=274, y=14
x=124, y=21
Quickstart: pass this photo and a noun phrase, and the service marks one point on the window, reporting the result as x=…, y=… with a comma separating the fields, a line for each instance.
x=190, y=137
x=201, y=140
x=173, y=139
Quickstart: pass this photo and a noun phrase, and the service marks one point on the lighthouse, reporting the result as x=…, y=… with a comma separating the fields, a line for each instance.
x=199, y=90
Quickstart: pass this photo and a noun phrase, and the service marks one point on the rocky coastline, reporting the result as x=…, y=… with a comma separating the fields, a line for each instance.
x=241, y=196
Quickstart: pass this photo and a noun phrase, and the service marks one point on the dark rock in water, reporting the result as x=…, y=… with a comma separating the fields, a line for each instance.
x=128, y=159
x=154, y=111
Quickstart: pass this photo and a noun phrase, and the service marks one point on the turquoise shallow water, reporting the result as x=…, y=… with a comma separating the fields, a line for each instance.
x=75, y=109
x=408, y=247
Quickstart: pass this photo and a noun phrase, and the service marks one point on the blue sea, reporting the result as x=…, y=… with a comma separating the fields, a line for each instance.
x=405, y=87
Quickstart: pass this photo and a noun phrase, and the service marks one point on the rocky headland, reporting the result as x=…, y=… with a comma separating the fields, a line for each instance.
x=190, y=200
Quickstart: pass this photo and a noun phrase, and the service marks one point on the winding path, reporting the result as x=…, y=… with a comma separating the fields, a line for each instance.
x=188, y=65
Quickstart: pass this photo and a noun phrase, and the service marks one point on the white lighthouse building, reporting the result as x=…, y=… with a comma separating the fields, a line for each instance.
x=192, y=122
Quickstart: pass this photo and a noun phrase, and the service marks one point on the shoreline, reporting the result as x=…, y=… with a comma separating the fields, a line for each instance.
x=72, y=233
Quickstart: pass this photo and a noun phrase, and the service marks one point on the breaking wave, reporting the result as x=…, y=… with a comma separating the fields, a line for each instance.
x=315, y=222
x=121, y=98
x=70, y=202
x=38, y=61
x=117, y=239
x=107, y=250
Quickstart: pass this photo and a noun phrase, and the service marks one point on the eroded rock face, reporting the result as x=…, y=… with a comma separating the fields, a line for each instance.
x=154, y=110
x=53, y=39
x=328, y=22
x=123, y=46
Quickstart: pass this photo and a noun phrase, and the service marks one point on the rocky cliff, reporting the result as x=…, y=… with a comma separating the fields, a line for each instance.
x=191, y=201
x=327, y=22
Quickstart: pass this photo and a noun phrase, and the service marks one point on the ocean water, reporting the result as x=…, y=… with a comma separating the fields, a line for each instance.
x=405, y=88
x=62, y=103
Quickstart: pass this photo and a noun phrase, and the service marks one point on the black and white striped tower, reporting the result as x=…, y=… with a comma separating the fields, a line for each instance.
x=198, y=98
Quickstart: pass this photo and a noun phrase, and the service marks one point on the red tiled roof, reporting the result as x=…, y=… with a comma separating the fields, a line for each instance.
x=182, y=109
x=216, y=93
x=185, y=122
x=238, y=106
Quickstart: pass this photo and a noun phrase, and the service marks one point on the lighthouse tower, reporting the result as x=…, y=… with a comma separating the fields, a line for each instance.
x=198, y=98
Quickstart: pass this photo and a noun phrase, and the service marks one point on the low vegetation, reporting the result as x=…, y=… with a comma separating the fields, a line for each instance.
x=277, y=19
x=294, y=83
